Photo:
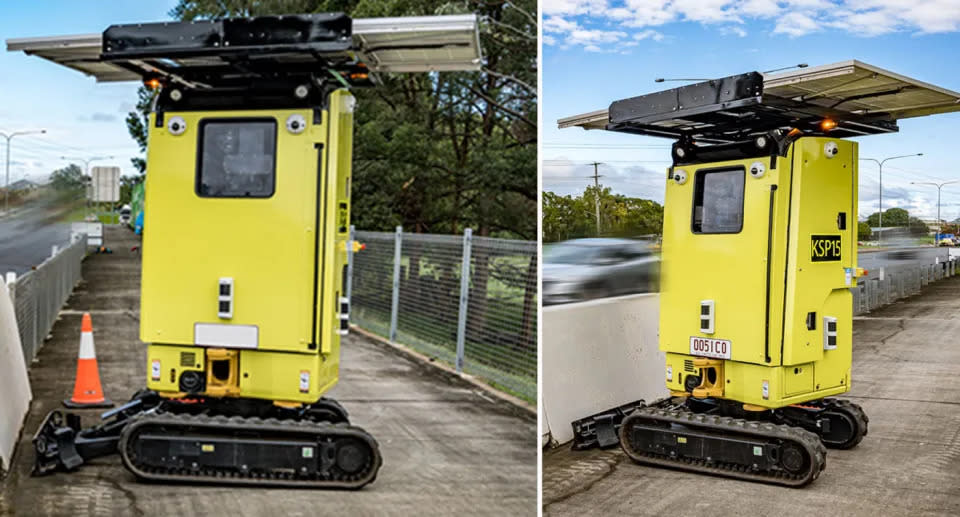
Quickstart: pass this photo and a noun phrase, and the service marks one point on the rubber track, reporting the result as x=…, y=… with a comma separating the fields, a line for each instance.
x=862, y=420
x=235, y=477
x=816, y=452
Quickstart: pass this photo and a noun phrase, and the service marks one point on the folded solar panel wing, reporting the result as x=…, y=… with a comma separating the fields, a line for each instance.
x=851, y=92
x=403, y=44
x=419, y=43
x=862, y=89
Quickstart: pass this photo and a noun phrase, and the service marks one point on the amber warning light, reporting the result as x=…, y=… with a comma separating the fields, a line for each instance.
x=828, y=124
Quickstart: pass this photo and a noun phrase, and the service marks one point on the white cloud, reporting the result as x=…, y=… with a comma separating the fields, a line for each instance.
x=582, y=36
x=794, y=18
x=558, y=24
x=648, y=34
x=733, y=29
x=760, y=8
x=549, y=40
x=795, y=24
x=572, y=6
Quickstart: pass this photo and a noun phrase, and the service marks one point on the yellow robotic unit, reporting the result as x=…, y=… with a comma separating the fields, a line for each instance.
x=247, y=212
x=759, y=256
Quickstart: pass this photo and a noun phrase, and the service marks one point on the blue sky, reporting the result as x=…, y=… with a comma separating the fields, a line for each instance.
x=82, y=118
x=598, y=51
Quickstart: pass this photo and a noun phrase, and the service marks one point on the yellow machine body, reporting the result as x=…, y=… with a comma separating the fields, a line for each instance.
x=280, y=249
x=761, y=311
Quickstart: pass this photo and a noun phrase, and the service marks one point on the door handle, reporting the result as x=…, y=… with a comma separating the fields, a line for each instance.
x=842, y=221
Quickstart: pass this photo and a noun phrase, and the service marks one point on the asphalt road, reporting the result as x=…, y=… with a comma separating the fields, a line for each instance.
x=26, y=237
x=896, y=257
x=905, y=360
x=448, y=449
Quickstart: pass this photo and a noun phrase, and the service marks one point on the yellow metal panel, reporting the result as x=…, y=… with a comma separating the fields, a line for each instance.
x=798, y=379
x=265, y=245
x=823, y=187
x=744, y=382
x=171, y=365
x=336, y=207
x=277, y=375
x=730, y=269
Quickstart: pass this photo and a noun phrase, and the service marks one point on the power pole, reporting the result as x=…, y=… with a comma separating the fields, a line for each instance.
x=596, y=196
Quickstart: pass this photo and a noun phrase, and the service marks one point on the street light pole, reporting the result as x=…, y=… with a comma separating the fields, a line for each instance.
x=6, y=190
x=939, y=186
x=86, y=161
x=880, y=213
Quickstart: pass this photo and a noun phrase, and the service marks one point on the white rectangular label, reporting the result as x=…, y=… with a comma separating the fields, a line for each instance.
x=304, y=381
x=709, y=347
x=155, y=369
x=226, y=336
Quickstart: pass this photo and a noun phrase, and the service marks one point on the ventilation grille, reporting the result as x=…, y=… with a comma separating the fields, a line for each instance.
x=188, y=359
x=688, y=366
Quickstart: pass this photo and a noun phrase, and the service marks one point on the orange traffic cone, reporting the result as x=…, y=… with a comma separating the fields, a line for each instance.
x=86, y=389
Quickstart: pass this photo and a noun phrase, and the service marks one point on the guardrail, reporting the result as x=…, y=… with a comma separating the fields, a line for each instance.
x=468, y=301
x=888, y=284
x=39, y=294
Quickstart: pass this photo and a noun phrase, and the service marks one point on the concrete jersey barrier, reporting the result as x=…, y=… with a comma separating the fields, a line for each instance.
x=599, y=354
x=15, y=394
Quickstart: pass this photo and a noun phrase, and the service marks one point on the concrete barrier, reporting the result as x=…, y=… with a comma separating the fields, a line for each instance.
x=598, y=354
x=15, y=394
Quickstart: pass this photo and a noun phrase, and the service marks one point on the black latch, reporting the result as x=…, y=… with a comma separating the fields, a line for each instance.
x=842, y=221
x=811, y=321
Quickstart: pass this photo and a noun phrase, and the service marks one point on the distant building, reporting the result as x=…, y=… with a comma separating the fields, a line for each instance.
x=932, y=224
x=23, y=185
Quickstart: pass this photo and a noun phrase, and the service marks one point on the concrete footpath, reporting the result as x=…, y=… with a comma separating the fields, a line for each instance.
x=448, y=449
x=905, y=364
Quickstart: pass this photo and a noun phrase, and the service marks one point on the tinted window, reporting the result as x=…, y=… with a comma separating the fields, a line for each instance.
x=237, y=158
x=718, y=201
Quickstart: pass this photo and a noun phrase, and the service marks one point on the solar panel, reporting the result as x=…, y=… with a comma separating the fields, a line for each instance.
x=419, y=43
x=861, y=98
x=405, y=44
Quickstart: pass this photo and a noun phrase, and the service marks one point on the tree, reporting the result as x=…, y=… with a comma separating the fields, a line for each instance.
x=568, y=217
x=138, y=122
x=68, y=180
x=891, y=217
x=863, y=231
x=917, y=227
x=127, y=183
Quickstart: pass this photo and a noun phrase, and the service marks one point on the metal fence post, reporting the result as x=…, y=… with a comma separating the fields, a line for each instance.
x=395, y=303
x=464, y=297
x=348, y=289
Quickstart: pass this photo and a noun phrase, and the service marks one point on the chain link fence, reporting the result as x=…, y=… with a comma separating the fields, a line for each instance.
x=468, y=301
x=39, y=294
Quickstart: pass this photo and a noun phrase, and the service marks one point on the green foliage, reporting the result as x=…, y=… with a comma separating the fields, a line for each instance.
x=127, y=184
x=863, y=231
x=917, y=227
x=68, y=180
x=568, y=217
x=438, y=152
x=137, y=122
x=891, y=217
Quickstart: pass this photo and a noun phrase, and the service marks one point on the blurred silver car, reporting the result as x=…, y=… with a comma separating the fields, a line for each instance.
x=584, y=269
